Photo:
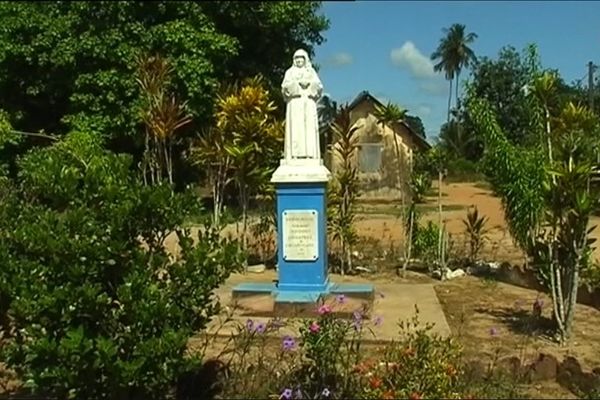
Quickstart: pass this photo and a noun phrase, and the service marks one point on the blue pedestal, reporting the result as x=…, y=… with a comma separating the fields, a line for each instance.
x=302, y=261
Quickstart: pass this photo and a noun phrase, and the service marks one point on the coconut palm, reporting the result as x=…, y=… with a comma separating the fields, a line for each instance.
x=452, y=55
x=327, y=110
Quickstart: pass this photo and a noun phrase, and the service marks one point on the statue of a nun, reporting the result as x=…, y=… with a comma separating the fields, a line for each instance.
x=301, y=89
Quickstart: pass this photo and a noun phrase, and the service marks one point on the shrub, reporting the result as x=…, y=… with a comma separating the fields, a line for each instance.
x=96, y=308
x=328, y=360
x=425, y=241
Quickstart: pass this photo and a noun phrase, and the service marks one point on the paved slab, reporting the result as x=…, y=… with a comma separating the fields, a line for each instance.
x=393, y=302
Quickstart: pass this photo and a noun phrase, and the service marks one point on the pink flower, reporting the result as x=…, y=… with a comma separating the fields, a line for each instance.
x=314, y=327
x=324, y=309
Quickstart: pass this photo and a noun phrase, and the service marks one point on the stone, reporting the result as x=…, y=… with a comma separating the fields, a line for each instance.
x=511, y=365
x=257, y=269
x=457, y=273
x=569, y=374
x=545, y=368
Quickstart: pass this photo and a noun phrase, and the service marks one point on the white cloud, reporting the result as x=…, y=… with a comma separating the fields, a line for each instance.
x=410, y=57
x=341, y=59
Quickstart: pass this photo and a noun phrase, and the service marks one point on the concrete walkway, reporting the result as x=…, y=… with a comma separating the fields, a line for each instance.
x=393, y=302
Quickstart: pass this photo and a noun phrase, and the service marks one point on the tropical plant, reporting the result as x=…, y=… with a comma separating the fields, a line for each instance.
x=562, y=250
x=344, y=189
x=420, y=184
x=162, y=114
x=208, y=154
x=452, y=55
x=243, y=147
x=95, y=305
x=475, y=230
x=515, y=173
x=548, y=202
x=389, y=115
x=327, y=110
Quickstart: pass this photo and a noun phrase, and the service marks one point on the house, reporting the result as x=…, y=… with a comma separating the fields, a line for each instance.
x=377, y=158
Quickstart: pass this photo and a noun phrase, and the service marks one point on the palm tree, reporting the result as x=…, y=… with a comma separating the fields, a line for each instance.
x=387, y=116
x=453, y=54
x=327, y=110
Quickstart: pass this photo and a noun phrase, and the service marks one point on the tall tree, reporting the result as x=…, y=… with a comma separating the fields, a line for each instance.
x=453, y=54
x=504, y=82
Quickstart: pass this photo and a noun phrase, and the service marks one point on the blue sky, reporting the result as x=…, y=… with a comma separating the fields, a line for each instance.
x=384, y=46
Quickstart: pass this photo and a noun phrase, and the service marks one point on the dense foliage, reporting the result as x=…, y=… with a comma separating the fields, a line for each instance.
x=93, y=304
x=72, y=64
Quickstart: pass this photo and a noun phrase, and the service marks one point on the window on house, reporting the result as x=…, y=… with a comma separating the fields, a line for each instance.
x=369, y=157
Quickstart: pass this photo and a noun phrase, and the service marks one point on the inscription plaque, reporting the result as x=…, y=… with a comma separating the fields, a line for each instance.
x=300, y=235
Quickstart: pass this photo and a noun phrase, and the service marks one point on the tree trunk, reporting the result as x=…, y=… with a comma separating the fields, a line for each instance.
x=440, y=221
x=457, y=87
x=449, y=101
x=408, y=252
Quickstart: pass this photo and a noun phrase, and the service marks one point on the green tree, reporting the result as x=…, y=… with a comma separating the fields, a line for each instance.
x=72, y=64
x=327, y=110
x=452, y=55
x=94, y=306
x=505, y=82
x=416, y=124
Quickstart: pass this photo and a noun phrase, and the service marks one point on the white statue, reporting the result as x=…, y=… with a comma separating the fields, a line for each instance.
x=301, y=89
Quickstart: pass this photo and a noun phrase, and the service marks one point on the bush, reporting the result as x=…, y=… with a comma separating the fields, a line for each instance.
x=425, y=241
x=328, y=360
x=94, y=307
x=462, y=170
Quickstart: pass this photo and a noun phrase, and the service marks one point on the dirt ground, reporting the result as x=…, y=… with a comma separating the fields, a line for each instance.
x=456, y=198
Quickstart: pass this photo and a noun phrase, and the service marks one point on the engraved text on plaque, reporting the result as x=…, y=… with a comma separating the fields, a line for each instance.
x=300, y=235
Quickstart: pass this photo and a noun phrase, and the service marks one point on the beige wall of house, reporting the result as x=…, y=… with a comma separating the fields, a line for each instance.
x=376, y=159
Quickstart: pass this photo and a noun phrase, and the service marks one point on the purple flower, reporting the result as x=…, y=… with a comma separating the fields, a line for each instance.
x=340, y=298
x=260, y=328
x=357, y=319
x=378, y=320
x=325, y=392
x=493, y=331
x=288, y=343
x=286, y=394
x=249, y=324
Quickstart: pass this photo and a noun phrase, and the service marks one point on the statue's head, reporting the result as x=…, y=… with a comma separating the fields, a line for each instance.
x=301, y=59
